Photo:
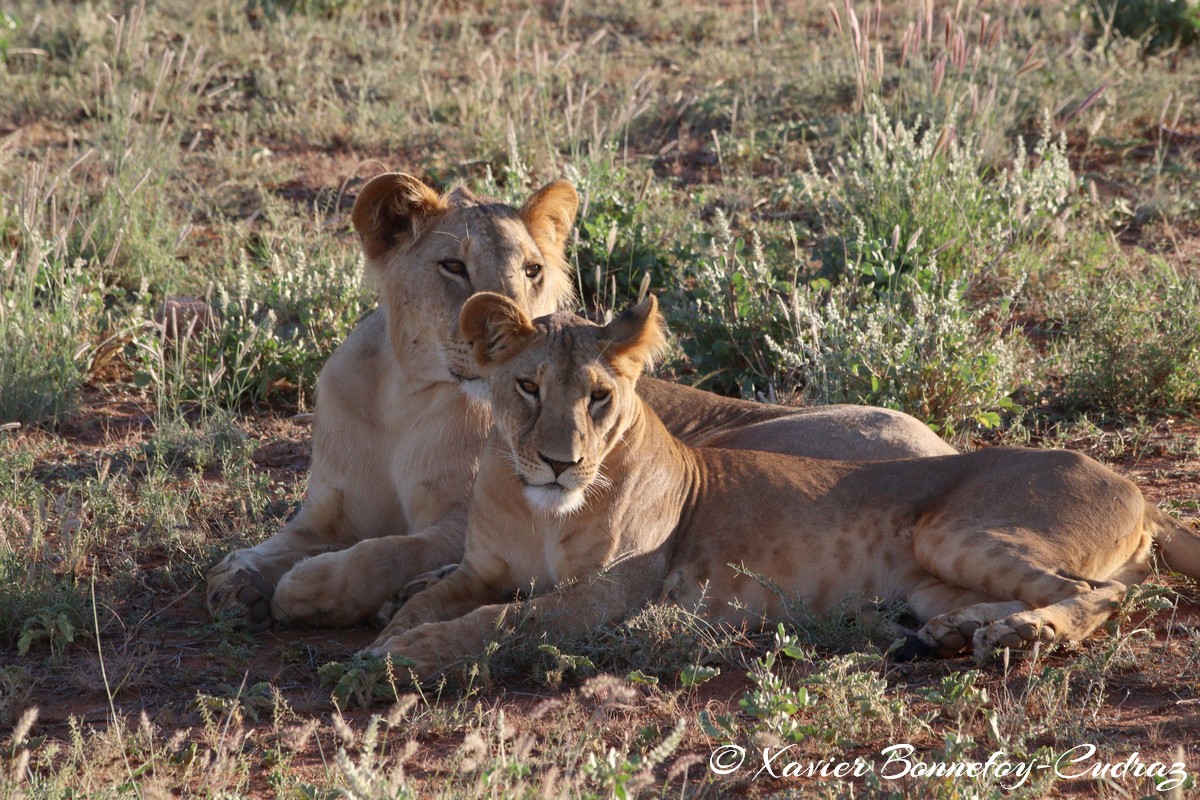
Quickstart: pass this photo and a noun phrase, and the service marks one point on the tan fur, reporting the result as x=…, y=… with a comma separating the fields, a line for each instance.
x=396, y=441
x=1002, y=547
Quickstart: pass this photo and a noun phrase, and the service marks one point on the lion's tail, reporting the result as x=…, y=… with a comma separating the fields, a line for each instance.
x=1179, y=545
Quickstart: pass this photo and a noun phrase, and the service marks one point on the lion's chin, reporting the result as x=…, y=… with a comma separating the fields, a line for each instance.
x=477, y=391
x=554, y=499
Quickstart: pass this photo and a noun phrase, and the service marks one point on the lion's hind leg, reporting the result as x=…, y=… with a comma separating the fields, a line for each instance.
x=1072, y=618
x=1072, y=607
x=1034, y=585
x=952, y=614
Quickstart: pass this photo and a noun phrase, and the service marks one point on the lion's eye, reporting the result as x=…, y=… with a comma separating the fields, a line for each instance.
x=528, y=387
x=600, y=395
x=532, y=271
x=453, y=266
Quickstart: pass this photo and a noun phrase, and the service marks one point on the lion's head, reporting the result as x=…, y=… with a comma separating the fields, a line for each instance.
x=431, y=252
x=562, y=390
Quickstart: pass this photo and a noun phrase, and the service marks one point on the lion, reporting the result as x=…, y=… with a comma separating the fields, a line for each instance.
x=583, y=491
x=399, y=425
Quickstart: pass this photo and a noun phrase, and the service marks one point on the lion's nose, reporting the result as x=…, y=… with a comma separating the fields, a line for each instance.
x=559, y=467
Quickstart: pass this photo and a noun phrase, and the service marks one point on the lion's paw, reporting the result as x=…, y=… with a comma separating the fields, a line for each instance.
x=401, y=623
x=324, y=591
x=422, y=650
x=949, y=634
x=1018, y=632
x=383, y=615
x=239, y=591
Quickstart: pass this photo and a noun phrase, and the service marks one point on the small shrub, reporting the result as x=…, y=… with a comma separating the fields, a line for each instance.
x=735, y=306
x=1162, y=22
x=1134, y=346
x=48, y=312
x=842, y=699
x=904, y=336
x=278, y=334
x=959, y=698
x=902, y=183
x=38, y=608
x=774, y=703
x=274, y=335
x=920, y=347
x=360, y=681
x=853, y=700
x=615, y=250
x=661, y=641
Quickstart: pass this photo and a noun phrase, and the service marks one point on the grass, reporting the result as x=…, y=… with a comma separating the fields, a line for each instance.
x=983, y=215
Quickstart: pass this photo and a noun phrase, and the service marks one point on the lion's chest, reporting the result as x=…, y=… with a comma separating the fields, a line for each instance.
x=551, y=556
x=539, y=561
x=437, y=455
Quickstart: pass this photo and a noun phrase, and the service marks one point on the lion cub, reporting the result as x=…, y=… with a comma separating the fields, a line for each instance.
x=583, y=494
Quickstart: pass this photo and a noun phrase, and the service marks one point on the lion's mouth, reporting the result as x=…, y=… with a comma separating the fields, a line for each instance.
x=528, y=484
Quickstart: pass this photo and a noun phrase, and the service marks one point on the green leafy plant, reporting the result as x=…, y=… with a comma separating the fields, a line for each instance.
x=1134, y=345
x=267, y=338
x=38, y=606
x=555, y=665
x=615, y=250
x=49, y=311
x=360, y=681
x=54, y=626
x=695, y=675
x=773, y=702
x=853, y=700
x=1161, y=22
x=905, y=184
x=903, y=334
x=959, y=697
x=276, y=337
x=736, y=306
x=918, y=346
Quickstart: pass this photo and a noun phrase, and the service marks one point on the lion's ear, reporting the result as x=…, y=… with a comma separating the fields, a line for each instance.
x=461, y=197
x=635, y=338
x=495, y=326
x=393, y=209
x=549, y=215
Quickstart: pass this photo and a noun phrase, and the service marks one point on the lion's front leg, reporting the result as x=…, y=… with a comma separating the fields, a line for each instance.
x=459, y=593
x=242, y=584
x=245, y=583
x=345, y=587
x=350, y=498
x=431, y=649
x=569, y=611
